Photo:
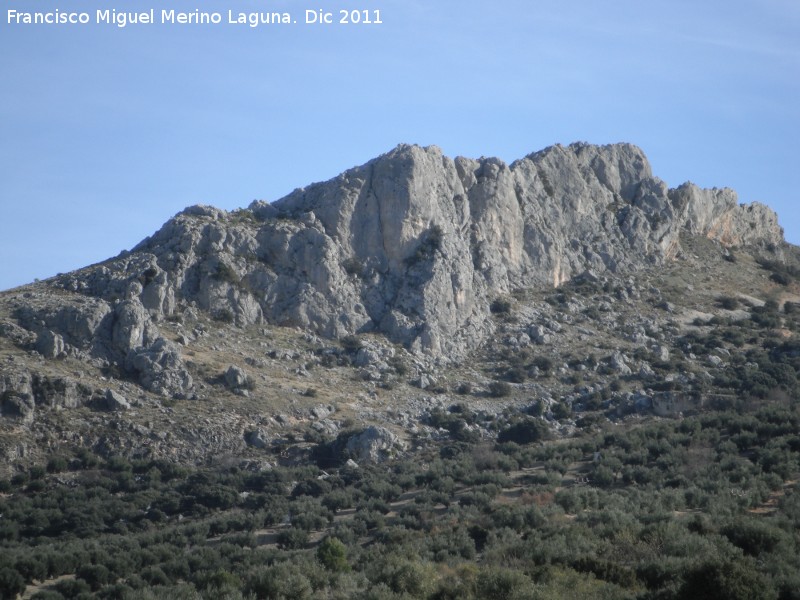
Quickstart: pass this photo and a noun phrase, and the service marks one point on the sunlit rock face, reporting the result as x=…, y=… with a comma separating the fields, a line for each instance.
x=412, y=244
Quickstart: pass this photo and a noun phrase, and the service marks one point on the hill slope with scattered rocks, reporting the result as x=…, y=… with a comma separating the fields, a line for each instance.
x=378, y=293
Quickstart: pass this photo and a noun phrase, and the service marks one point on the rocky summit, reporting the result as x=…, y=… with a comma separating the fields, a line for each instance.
x=398, y=277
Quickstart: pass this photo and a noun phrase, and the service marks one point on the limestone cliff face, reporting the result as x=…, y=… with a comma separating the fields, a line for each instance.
x=413, y=244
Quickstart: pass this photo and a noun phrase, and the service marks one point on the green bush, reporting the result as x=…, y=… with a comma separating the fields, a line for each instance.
x=292, y=538
x=500, y=306
x=57, y=464
x=72, y=588
x=499, y=583
x=282, y=581
x=728, y=302
x=224, y=272
x=95, y=575
x=753, y=536
x=11, y=583
x=352, y=343
x=734, y=580
x=560, y=410
x=499, y=389
x=332, y=553
x=525, y=431
x=430, y=243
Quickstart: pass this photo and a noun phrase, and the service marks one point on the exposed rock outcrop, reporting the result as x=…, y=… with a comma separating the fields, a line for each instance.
x=412, y=244
x=24, y=391
x=115, y=401
x=374, y=445
x=16, y=397
x=50, y=345
x=106, y=331
x=59, y=392
x=160, y=368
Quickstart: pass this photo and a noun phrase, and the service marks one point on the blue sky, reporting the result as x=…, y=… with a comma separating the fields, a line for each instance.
x=105, y=133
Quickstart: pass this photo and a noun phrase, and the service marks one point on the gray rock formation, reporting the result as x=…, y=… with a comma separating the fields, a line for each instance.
x=18, y=335
x=59, y=392
x=21, y=393
x=81, y=323
x=619, y=362
x=16, y=397
x=236, y=378
x=322, y=411
x=257, y=438
x=160, y=369
x=106, y=330
x=412, y=244
x=374, y=444
x=115, y=401
x=50, y=345
x=132, y=328
x=19, y=407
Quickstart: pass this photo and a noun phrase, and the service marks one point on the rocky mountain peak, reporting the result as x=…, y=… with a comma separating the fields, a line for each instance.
x=413, y=244
x=465, y=276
